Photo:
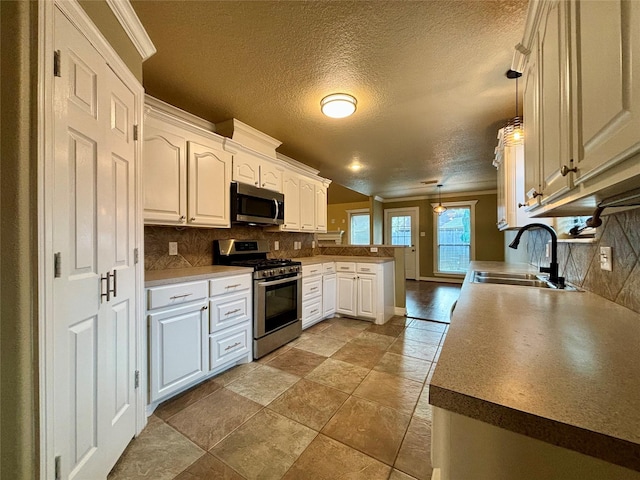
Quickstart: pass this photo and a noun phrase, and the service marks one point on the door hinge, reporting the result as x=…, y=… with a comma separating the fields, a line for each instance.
x=136, y=383
x=57, y=468
x=136, y=255
x=57, y=263
x=135, y=132
x=56, y=63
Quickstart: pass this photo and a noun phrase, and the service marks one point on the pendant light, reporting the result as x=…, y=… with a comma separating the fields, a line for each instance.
x=439, y=209
x=513, y=131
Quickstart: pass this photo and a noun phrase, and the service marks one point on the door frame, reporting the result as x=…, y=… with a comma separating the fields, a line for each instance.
x=387, y=231
x=45, y=163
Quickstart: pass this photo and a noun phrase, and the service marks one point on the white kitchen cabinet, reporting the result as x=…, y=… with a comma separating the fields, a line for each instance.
x=320, y=208
x=307, y=205
x=177, y=348
x=186, y=172
x=291, y=191
x=329, y=289
x=255, y=169
x=366, y=290
x=196, y=330
x=581, y=104
x=312, y=294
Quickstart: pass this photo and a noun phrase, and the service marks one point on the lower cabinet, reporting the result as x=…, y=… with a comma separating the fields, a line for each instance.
x=196, y=330
x=365, y=290
x=329, y=290
x=318, y=292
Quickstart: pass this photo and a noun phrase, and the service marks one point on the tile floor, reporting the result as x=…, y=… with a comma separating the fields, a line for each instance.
x=348, y=399
x=431, y=300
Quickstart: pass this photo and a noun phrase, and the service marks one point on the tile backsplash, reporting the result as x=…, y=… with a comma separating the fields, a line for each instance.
x=580, y=262
x=195, y=245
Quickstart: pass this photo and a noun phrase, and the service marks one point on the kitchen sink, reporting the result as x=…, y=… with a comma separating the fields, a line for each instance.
x=519, y=279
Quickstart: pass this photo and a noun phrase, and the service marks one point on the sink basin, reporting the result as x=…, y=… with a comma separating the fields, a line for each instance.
x=519, y=279
x=522, y=276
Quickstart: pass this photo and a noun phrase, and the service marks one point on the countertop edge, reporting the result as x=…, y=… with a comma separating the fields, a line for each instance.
x=595, y=444
x=193, y=274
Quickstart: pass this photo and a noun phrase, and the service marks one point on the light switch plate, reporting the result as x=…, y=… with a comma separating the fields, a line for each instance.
x=173, y=248
x=313, y=244
x=606, y=262
x=374, y=249
x=276, y=245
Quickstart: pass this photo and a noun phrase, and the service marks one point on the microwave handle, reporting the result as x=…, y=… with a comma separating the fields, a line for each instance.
x=277, y=208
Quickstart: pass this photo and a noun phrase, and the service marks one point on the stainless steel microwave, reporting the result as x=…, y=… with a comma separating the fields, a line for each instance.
x=256, y=206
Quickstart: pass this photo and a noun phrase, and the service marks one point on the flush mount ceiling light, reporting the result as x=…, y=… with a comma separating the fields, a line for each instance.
x=513, y=131
x=338, y=105
x=439, y=209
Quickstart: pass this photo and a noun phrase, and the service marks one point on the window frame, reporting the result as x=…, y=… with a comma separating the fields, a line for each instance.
x=471, y=204
x=354, y=213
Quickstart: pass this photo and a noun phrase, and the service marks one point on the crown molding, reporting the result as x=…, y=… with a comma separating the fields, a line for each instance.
x=132, y=25
x=435, y=196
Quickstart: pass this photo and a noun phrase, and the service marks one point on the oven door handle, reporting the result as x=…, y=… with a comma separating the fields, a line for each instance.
x=275, y=202
x=268, y=283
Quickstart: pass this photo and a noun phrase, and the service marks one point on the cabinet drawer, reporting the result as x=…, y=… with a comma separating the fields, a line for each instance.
x=329, y=267
x=229, y=310
x=228, y=345
x=310, y=270
x=366, y=268
x=311, y=287
x=219, y=286
x=311, y=310
x=176, y=294
x=345, y=266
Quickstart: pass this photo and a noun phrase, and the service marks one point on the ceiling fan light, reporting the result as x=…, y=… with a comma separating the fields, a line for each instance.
x=338, y=105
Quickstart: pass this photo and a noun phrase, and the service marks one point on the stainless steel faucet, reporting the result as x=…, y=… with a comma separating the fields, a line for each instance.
x=552, y=269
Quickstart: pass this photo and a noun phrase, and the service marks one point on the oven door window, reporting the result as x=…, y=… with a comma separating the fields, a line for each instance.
x=280, y=306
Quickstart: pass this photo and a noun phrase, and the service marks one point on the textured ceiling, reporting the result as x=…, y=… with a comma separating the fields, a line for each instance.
x=428, y=76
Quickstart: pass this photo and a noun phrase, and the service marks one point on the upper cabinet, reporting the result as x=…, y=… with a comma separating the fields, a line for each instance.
x=581, y=103
x=186, y=172
x=252, y=168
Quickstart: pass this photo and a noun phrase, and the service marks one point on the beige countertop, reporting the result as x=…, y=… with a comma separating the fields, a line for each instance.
x=154, y=278
x=342, y=258
x=562, y=367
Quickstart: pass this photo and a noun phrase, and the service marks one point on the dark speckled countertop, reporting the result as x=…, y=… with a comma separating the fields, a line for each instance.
x=562, y=367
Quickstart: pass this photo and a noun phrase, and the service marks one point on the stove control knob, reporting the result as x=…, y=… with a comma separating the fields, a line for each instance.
x=282, y=270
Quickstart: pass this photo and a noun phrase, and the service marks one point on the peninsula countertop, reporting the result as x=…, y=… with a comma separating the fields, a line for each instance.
x=562, y=367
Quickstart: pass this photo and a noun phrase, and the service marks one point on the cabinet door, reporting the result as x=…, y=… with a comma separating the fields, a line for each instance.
x=270, y=176
x=346, y=293
x=291, y=190
x=606, y=77
x=164, y=175
x=554, y=102
x=246, y=169
x=329, y=290
x=321, y=208
x=307, y=205
x=366, y=296
x=228, y=310
x=177, y=348
x=209, y=180
x=531, y=127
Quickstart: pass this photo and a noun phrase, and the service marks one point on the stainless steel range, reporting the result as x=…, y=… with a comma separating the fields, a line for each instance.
x=277, y=291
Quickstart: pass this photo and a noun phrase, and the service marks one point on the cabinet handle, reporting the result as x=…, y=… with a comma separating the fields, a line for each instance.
x=192, y=219
x=344, y=268
x=315, y=310
x=231, y=312
x=232, y=286
x=564, y=171
x=182, y=218
x=180, y=296
x=232, y=346
x=365, y=269
x=313, y=289
x=205, y=308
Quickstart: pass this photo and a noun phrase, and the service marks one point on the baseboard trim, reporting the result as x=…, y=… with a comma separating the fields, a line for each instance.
x=442, y=280
x=400, y=311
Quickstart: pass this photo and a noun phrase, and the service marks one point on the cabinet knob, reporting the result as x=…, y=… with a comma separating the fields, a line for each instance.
x=182, y=218
x=257, y=184
x=264, y=184
x=536, y=194
x=192, y=219
x=205, y=308
x=564, y=171
x=520, y=205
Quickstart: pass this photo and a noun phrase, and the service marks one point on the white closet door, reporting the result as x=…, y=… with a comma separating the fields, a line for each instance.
x=93, y=232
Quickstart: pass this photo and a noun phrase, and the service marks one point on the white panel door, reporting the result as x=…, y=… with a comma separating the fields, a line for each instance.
x=346, y=293
x=366, y=296
x=93, y=233
x=401, y=228
x=209, y=180
x=165, y=175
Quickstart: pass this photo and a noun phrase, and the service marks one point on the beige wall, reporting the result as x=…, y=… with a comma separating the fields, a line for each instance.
x=377, y=222
x=337, y=217
x=489, y=240
x=19, y=440
x=102, y=15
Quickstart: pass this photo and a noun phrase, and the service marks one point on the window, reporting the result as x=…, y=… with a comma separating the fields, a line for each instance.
x=454, y=238
x=359, y=230
x=401, y=230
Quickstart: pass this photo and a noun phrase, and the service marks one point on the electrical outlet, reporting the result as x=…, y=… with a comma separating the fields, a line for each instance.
x=296, y=245
x=606, y=260
x=423, y=234
x=276, y=245
x=313, y=244
x=173, y=248
x=374, y=249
